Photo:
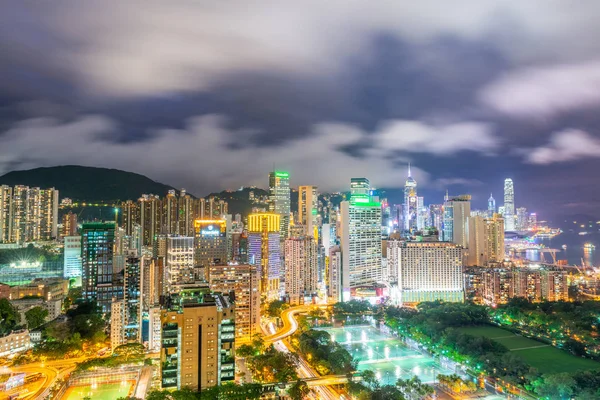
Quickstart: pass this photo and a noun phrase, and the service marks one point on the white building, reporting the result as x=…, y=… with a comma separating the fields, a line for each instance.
x=117, y=324
x=429, y=271
x=334, y=274
x=72, y=257
x=180, y=260
x=14, y=343
x=361, y=243
x=301, y=268
x=509, y=205
x=154, y=330
x=457, y=210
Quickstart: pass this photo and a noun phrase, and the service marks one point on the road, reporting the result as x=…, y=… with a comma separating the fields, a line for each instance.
x=290, y=325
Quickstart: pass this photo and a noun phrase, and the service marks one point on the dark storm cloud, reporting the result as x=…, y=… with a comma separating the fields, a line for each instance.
x=471, y=92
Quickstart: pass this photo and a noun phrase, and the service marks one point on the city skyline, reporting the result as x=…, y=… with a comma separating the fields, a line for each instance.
x=469, y=101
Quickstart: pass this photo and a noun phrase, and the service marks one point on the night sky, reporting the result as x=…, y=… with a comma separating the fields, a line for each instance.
x=213, y=95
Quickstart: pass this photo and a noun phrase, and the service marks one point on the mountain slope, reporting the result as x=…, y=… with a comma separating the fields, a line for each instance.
x=87, y=183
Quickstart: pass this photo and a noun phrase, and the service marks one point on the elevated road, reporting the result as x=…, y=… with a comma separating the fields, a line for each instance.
x=290, y=325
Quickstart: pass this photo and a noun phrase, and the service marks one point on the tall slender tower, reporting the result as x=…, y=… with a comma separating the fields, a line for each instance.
x=491, y=206
x=411, y=206
x=279, y=197
x=509, y=205
x=308, y=203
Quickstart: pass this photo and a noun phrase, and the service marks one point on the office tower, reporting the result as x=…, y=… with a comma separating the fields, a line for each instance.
x=264, y=250
x=130, y=216
x=72, y=257
x=69, y=225
x=509, y=205
x=360, y=186
x=308, y=206
x=532, y=221
x=334, y=274
x=198, y=340
x=361, y=243
x=170, y=210
x=241, y=283
x=422, y=215
x=491, y=206
x=97, y=251
x=150, y=218
x=436, y=213
x=429, y=271
x=211, y=242
x=455, y=226
x=410, y=205
x=279, y=198
x=6, y=213
x=301, y=268
x=522, y=219
x=180, y=252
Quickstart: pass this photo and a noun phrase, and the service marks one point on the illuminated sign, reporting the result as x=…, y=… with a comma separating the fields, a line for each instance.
x=210, y=231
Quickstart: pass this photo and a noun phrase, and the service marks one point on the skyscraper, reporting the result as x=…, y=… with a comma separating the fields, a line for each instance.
x=509, y=205
x=6, y=213
x=264, y=250
x=211, y=242
x=301, y=268
x=69, y=224
x=360, y=186
x=360, y=242
x=241, y=283
x=279, y=198
x=457, y=210
x=198, y=340
x=411, y=206
x=180, y=261
x=308, y=204
x=97, y=252
x=72, y=257
x=522, y=219
x=491, y=206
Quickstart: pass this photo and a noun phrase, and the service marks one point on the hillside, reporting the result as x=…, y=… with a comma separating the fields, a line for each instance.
x=87, y=183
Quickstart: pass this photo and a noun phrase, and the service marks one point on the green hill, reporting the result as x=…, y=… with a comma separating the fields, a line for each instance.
x=87, y=183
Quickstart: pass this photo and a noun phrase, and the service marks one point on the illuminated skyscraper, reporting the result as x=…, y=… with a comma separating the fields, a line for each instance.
x=150, y=218
x=491, y=206
x=411, y=206
x=456, y=213
x=97, y=252
x=241, y=283
x=308, y=204
x=361, y=243
x=429, y=271
x=72, y=257
x=264, y=250
x=360, y=186
x=522, y=219
x=486, y=240
x=300, y=268
x=509, y=205
x=279, y=198
x=179, y=261
x=6, y=213
x=211, y=242
x=69, y=224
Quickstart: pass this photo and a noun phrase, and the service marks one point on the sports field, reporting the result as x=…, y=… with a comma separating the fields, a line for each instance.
x=104, y=391
x=542, y=356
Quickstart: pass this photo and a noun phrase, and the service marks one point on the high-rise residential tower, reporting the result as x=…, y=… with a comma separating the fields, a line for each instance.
x=308, y=204
x=279, y=198
x=509, y=205
x=301, y=268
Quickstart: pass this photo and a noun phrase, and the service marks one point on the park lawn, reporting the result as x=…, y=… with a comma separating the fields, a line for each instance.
x=545, y=359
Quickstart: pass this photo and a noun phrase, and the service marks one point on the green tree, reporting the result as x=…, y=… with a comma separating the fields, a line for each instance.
x=275, y=308
x=369, y=379
x=299, y=390
x=36, y=317
x=130, y=351
x=556, y=386
x=9, y=317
